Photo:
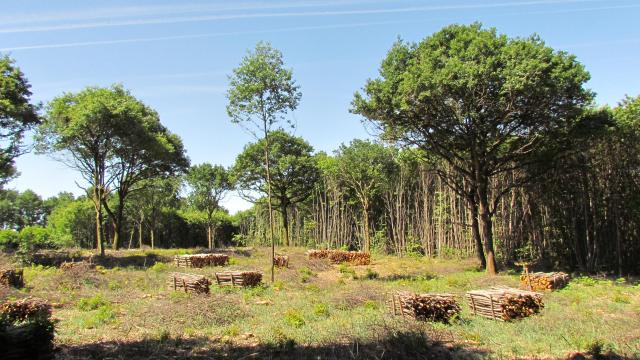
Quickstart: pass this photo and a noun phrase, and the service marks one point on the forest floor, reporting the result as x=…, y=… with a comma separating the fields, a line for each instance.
x=123, y=310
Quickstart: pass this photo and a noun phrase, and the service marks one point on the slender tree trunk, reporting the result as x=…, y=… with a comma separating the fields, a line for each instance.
x=153, y=238
x=209, y=236
x=487, y=226
x=475, y=232
x=268, y=170
x=365, y=220
x=140, y=231
x=97, y=202
x=285, y=224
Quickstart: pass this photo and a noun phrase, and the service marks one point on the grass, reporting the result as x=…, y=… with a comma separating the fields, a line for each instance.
x=315, y=309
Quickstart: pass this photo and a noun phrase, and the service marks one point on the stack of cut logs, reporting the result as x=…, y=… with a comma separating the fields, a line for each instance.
x=201, y=260
x=543, y=281
x=427, y=307
x=339, y=256
x=281, y=261
x=189, y=283
x=26, y=329
x=78, y=265
x=12, y=278
x=504, y=303
x=241, y=278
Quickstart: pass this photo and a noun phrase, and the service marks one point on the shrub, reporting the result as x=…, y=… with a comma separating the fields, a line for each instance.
x=34, y=238
x=92, y=303
x=306, y=274
x=102, y=315
x=347, y=271
x=294, y=318
x=9, y=240
x=321, y=309
x=371, y=275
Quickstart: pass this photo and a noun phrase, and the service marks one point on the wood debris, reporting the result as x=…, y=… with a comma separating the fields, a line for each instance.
x=281, y=261
x=426, y=307
x=540, y=281
x=189, y=283
x=340, y=256
x=504, y=304
x=12, y=278
x=239, y=278
x=201, y=260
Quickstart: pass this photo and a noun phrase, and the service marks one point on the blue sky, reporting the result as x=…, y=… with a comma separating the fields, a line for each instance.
x=175, y=56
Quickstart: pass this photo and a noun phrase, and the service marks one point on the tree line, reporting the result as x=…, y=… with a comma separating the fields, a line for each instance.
x=489, y=146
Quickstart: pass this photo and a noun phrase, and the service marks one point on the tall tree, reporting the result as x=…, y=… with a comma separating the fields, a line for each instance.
x=294, y=172
x=113, y=140
x=145, y=149
x=364, y=167
x=482, y=102
x=17, y=115
x=261, y=92
x=209, y=184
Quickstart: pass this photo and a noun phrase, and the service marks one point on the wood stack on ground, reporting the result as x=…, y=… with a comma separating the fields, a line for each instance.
x=504, y=303
x=12, y=278
x=340, y=256
x=281, y=261
x=540, y=281
x=201, y=260
x=426, y=307
x=26, y=329
x=239, y=278
x=188, y=283
x=77, y=265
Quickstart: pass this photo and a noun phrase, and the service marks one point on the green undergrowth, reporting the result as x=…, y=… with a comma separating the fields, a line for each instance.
x=313, y=305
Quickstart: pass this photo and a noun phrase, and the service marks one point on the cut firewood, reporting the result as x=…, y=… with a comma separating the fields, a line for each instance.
x=339, y=256
x=426, y=307
x=281, y=261
x=201, y=260
x=189, y=283
x=12, y=278
x=540, y=281
x=239, y=278
x=26, y=329
x=504, y=303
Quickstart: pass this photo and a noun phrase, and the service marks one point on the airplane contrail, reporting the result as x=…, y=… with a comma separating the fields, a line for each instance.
x=207, y=18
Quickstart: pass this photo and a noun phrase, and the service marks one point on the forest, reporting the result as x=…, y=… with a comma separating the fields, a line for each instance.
x=490, y=152
x=557, y=178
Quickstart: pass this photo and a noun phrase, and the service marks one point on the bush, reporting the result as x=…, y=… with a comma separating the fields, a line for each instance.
x=9, y=240
x=34, y=238
x=92, y=303
x=294, y=318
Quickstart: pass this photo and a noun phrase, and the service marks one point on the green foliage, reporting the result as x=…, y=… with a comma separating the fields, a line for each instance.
x=306, y=274
x=9, y=240
x=72, y=224
x=17, y=115
x=34, y=238
x=92, y=303
x=294, y=318
x=347, y=271
x=261, y=91
x=371, y=275
x=98, y=317
x=321, y=309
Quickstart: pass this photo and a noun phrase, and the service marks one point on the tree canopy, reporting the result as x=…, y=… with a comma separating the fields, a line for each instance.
x=17, y=115
x=478, y=100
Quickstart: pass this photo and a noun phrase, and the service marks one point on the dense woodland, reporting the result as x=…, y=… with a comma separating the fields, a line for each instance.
x=489, y=146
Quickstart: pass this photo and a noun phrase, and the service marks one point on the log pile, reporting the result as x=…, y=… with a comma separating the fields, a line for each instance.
x=12, y=278
x=77, y=266
x=26, y=329
x=281, y=261
x=239, y=278
x=504, y=304
x=543, y=281
x=426, y=307
x=201, y=260
x=188, y=283
x=339, y=256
